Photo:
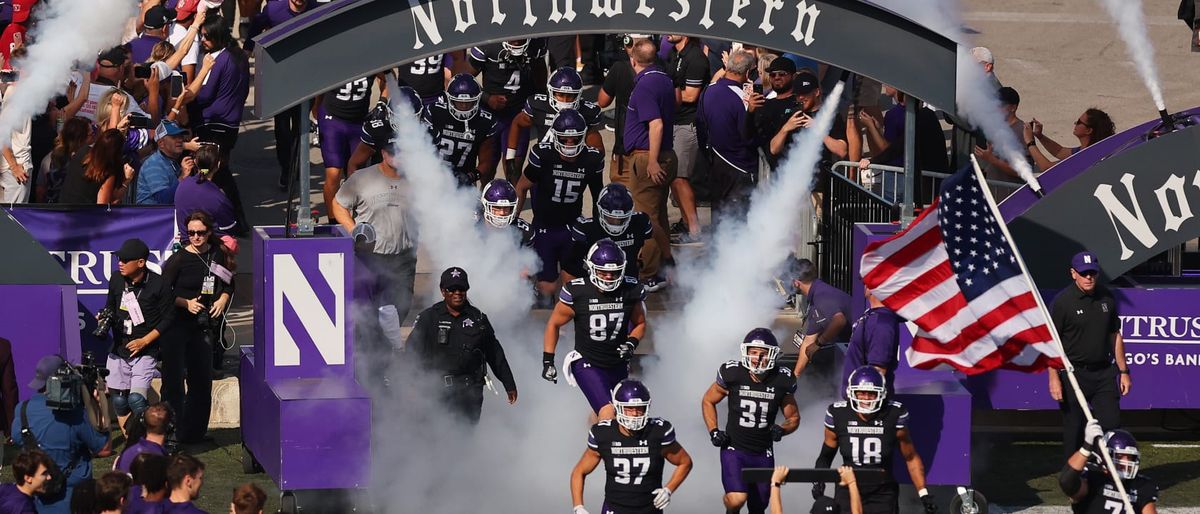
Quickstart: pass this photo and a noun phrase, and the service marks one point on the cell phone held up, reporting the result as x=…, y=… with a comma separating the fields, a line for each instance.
x=138, y=120
x=9, y=76
x=141, y=71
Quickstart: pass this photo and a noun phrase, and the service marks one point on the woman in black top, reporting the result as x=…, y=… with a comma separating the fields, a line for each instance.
x=202, y=276
x=101, y=175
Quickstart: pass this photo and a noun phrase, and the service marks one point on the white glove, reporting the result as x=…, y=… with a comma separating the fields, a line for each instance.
x=662, y=498
x=580, y=510
x=1092, y=433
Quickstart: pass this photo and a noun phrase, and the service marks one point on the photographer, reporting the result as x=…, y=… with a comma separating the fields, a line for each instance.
x=31, y=470
x=202, y=276
x=138, y=312
x=62, y=432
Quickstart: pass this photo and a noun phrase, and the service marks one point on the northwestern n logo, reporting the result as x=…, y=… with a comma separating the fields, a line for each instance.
x=328, y=334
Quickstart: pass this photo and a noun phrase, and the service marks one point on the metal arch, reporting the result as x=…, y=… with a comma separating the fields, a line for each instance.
x=324, y=48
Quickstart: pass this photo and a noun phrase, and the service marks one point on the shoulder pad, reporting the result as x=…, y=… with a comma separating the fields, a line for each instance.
x=840, y=404
x=541, y=97
x=604, y=423
x=589, y=104
x=592, y=150
x=521, y=223
x=895, y=404
x=731, y=364
x=658, y=421
x=583, y=220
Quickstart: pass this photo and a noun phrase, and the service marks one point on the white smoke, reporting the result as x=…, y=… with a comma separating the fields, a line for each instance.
x=1131, y=25
x=67, y=32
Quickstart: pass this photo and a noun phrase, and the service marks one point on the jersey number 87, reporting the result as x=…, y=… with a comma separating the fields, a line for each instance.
x=600, y=323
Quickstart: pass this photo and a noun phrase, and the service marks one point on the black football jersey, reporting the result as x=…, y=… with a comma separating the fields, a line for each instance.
x=519, y=228
x=427, y=76
x=585, y=232
x=378, y=122
x=458, y=141
x=753, y=405
x=633, y=463
x=869, y=443
x=602, y=317
x=559, y=183
x=504, y=74
x=349, y=102
x=1103, y=498
x=541, y=115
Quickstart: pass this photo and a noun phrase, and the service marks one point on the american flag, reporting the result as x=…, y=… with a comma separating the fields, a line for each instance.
x=956, y=277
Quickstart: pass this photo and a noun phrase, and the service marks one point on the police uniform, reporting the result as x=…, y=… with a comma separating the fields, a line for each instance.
x=633, y=464
x=869, y=444
x=585, y=232
x=601, y=324
x=753, y=406
x=458, y=141
x=1103, y=497
x=455, y=348
x=542, y=114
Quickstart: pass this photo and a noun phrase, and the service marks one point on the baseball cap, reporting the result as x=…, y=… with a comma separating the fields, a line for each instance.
x=455, y=278
x=806, y=81
x=21, y=9
x=132, y=250
x=157, y=17
x=1009, y=96
x=1084, y=262
x=115, y=56
x=186, y=8
x=46, y=367
x=168, y=128
x=825, y=505
x=983, y=55
x=782, y=64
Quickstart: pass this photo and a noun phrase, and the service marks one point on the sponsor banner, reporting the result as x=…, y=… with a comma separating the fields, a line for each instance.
x=85, y=240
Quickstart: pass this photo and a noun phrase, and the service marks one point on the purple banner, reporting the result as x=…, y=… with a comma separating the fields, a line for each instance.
x=84, y=240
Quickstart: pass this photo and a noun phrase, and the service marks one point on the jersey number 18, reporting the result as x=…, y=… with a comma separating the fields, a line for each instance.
x=866, y=450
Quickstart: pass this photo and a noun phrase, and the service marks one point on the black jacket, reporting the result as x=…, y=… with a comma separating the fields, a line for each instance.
x=459, y=345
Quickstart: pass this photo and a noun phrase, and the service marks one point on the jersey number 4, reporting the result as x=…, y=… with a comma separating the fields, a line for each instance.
x=866, y=450
x=627, y=467
x=604, y=326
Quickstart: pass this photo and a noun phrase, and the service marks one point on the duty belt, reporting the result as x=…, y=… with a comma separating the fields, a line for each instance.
x=459, y=380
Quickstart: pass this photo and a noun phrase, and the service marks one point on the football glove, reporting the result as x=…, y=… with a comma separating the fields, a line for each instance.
x=776, y=433
x=662, y=498
x=929, y=502
x=549, y=372
x=818, y=490
x=1092, y=432
x=719, y=437
x=579, y=510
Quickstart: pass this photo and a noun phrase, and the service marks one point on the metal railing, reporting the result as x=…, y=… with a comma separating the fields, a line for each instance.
x=845, y=203
x=887, y=182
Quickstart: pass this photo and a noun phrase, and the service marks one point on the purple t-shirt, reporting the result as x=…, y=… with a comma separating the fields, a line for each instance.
x=193, y=195
x=824, y=302
x=653, y=97
x=171, y=507
x=222, y=96
x=273, y=15
x=13, y=501
x=725, y=118
x=141, y=47
x=138, y=448
x=874, y=342
x=893, y=131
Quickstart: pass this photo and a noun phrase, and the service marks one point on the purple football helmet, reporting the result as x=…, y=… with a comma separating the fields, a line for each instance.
x=1123, y=449
x=568, y=123
x=565, y=81
x=615, y=205
x=866, y=379
x=606, y=257
x=409, y=95
x=760, y=338
x=631, y=394
x=462, y=96
x=499, y=194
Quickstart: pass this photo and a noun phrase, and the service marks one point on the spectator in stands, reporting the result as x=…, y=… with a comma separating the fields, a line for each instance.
x=287, y=123
x=111, y=491
x=158, y=177
x=826, y=313
x=995, y=167
x=809, y=98
x=983, y=56
x=31, y=471
x=822, y=504
x=149, y=492
x=1092, y=127
x=14, y=34
x=156, y=420
x=618, y=84
x=781, y=102
x=248, y=499
x=688, y=68
x=16, y=158
x=187, y=15
x=887, y=147
x=185, y=475
x=154, y=30
x=100, y=177
x=113, y=70
x=875, y=341
x=197, y=192
x=71, y=146
x=726, y=107
x=649, y=159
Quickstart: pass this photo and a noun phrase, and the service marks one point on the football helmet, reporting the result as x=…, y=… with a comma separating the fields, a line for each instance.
x=565, y=81
x=606, y=256
x=516, y=47
x=1123, y=449
x=462, y=96
x=869, y=380
x=615, y=206
x=760, y=338
x=568, y=124
x=631, y=393
x=499, y=194
x=409, y=95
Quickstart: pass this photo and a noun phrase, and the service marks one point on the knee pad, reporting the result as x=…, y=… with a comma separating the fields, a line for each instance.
x=120, y=399
x=138, y=403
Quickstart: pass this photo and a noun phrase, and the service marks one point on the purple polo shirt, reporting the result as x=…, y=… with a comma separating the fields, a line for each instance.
x=724, y=116
x=222, y=96
x=193, y=195
x=140, y=47
x=138, y=448
x=171, y=507
x=13, y=501
x=653, y=97
x=824, y=302
x=273, y=15
x=874, y=342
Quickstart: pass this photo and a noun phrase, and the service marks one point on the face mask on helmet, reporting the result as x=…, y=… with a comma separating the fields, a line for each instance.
x=1124, y=453
x=606, y=265
x=759, y=357
x=565, y=89
x=631, y=401
x=499, y=201
x=872, y=391
x=569, y=130
x=616, y=209
x=516, y=48
x=462, y=97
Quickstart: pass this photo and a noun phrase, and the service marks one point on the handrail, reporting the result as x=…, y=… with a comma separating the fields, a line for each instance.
x=924, y=173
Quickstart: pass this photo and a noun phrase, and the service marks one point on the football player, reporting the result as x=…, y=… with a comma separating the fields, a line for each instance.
x=610, y=320
x=427, y=76
x=564, y=92
x=460, y=130
x=1092, y=489
x=499, y=210
x=512, y=72
x=615, y=219
x=867, y=429
x=558, y=170
x=634, y=450
x=758, y=390
x=378, y=127
x=340, y=116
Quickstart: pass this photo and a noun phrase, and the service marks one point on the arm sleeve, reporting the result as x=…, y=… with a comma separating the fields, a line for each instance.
x=825, y=459
x=498, y=362
x=595, y=180
x=533, y=167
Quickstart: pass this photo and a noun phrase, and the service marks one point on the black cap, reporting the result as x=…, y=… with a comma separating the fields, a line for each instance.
x=805, y=82
x=132, y=250
x=1009, y=96
x=455, y=278
x=115, y=55
x=825, y=505
x=157, y=17
x=782, y=64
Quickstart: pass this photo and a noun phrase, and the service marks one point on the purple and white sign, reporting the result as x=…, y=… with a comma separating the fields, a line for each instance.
x=85, y=239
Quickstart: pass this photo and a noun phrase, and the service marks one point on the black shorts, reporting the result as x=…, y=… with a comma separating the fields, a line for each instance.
x=880, y=499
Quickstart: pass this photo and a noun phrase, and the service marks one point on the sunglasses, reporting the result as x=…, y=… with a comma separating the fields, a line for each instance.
x=1077, y=123
x=195, y=233
x=456, y=289
x=778, y=74
x=1088, y=274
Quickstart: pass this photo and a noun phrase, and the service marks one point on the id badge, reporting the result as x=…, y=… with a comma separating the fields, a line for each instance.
x=209, y=286
x=128, y=327
x=222, y=272
x=127, y=299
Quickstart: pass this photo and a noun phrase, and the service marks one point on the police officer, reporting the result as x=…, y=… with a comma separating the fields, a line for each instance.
x=454, y=340
x=1085, y=315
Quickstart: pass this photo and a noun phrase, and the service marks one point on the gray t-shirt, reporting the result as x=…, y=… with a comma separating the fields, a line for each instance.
x=383, y=202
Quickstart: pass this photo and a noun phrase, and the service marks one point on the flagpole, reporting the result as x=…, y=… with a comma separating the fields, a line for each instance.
x=1112, y=469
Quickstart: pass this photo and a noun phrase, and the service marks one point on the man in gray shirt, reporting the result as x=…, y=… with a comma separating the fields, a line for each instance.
x=378, y=198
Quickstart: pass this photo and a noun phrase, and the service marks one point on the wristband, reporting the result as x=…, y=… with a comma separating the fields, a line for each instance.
x=1123, y=371
x=1031, y=144
x=174, y=111
x=923, y=492
x=510, y=154
x=777, y=484
x=1085, y=452
x=547, y=357
x=633, y=341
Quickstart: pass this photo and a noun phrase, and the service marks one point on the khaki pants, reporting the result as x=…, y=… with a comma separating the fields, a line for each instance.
x=617, y=174
x=651, y=199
